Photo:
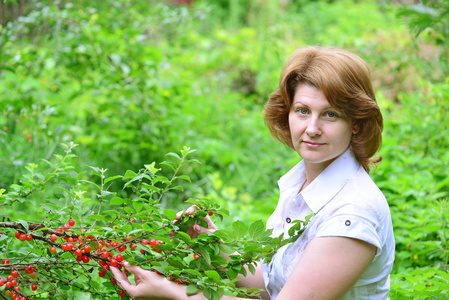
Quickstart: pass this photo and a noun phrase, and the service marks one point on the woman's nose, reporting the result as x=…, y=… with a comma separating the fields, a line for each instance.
x=313, y=127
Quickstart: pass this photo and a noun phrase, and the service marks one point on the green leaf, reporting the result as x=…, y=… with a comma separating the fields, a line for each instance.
x=184, y=177
x=231, y=273
x=117, y=201
x=227, y=248
x=191, y=271
x=174, y=155
x=112, y=178
x=256, y=229
x=192, y=289
x=129, y=174
x=80, y=175
x=138, y=177
x=24, y=224
x=183, y=236
x=95, y=171
x=170, y=214
x=137, y=205
x=205, y=254
x=213, y=275
x=127, y=228
x=239, y=229
x=252, y=269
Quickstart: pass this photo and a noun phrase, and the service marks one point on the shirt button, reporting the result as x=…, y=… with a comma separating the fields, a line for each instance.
x=288, y=220
x=348, y=223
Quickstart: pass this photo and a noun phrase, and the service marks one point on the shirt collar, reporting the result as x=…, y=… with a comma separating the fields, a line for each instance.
x=326, y=185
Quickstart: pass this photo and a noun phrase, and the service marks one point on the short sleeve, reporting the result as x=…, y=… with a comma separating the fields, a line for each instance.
x=351, y=226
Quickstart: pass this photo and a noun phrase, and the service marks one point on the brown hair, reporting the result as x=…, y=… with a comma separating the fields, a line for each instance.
x=344, y=78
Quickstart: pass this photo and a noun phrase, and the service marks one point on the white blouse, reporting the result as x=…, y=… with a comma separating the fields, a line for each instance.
x=347, y=203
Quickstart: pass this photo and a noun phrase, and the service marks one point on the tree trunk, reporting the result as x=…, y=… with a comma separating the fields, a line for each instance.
x=2, y=14
x=21, y=4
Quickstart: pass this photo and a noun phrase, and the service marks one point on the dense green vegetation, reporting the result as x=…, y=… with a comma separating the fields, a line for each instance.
x=130, y=81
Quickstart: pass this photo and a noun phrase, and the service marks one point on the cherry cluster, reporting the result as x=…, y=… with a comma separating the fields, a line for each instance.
x=76, y=244
x=85, y=248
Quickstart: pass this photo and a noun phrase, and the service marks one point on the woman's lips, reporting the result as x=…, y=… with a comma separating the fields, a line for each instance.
x=313, y=144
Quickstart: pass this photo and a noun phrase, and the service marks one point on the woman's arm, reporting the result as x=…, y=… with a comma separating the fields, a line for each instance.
x=150, y=286
x=328, y=268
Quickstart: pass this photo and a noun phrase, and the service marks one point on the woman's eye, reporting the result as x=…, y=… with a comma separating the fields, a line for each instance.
x=331, y=114
x=302, y=111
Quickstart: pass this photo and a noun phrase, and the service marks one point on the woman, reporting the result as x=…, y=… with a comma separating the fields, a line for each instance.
x=325, y=109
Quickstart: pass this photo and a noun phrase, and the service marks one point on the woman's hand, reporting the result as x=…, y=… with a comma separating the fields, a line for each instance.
x=148, y=285
x=195, y=230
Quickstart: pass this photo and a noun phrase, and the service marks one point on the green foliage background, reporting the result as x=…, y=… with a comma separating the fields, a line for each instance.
x=132, y=80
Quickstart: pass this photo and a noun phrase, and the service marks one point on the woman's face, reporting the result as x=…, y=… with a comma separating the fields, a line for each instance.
x=319, y=132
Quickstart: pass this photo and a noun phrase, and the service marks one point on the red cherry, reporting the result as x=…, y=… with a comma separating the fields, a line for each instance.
x=71, y=222
x=210, y=213
x=122, y=293
x=133, y=246
x=78, y=252
x=2, y=282
x=13, y=282
x=113, y=262
x=53, y=237
x=102, y=273
x=13, y=295
x=29, y=237
x=32, y=276
x=17, y=235
x=59, y=229
x=87, y=249
x=34, y=287
x=29, y=269
x=8, y=284
x=86, y=259
x=195, y=256
x=14, y=273
x=113, y=281
x=9, y=278
x=121, y=248
x=119, y=257
x=22, y=237
x=145, y=242
x=152, y=243
x=114, y=244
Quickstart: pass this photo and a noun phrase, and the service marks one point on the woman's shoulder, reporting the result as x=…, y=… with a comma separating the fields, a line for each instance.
x=360, y=196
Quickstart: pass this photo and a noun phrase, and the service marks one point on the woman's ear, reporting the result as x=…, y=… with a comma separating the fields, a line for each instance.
x=355, y=129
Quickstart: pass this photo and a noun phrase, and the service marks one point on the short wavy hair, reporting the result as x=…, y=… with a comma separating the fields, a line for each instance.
x=345, y=80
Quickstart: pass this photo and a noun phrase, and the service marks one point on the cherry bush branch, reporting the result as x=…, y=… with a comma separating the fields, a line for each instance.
x=81, y=227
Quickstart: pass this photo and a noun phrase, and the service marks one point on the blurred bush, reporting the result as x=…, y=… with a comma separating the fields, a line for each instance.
x=132, y=80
